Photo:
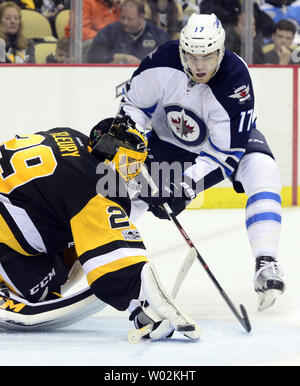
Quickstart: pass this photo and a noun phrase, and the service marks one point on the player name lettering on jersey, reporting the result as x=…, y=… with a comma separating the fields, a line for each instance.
x=66, y=144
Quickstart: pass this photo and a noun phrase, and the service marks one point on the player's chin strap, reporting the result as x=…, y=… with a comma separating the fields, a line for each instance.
x=18, y=314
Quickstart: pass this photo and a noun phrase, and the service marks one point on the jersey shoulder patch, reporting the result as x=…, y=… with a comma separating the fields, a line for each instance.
x=232, y=85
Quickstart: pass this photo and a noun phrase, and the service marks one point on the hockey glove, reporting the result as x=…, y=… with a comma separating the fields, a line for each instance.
x=164, y=306
x=178, y=196
x=144, y=315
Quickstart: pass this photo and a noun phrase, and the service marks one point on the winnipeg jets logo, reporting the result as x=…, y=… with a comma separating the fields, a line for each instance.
x=186, y=125
x=241, y=93
x=182, y=126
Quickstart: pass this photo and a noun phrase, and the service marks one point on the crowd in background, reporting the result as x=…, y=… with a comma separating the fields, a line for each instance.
x=126, y=31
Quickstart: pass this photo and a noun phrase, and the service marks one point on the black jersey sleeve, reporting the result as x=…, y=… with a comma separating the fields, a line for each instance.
x=110, y=250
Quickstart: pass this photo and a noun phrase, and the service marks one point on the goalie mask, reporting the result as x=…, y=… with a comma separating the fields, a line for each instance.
x=118, y=141
x=202, y=35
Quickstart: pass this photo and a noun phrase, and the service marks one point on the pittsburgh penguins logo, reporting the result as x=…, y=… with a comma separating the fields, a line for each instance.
x=186, y=125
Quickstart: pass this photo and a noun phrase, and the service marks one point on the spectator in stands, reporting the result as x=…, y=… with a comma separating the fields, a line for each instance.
x=228, y=12
x=280, y=52
x=284, y=9
x=188, y=8
x=24, y=4
x=18, y=48
x=50, y=8
x=166, y=14
x=225, y=10
x=96, y=14
x=62, y=52
x=235, y=37
x=128, y=41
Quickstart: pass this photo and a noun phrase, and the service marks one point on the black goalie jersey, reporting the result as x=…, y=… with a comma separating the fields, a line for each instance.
x=49, y=202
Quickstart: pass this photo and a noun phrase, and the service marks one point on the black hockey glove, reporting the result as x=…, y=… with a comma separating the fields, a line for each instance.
x=178, y=196
x=144, y=315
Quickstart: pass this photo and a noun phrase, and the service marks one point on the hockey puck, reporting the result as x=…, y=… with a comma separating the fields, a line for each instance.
x=185, y=328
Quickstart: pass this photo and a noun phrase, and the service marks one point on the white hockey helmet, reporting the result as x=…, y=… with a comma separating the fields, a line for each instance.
x=203, y=34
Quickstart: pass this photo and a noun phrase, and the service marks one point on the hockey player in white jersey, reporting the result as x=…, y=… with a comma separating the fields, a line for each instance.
x=198, y=101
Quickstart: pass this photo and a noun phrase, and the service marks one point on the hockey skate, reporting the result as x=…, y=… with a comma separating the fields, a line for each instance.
x=268, y=282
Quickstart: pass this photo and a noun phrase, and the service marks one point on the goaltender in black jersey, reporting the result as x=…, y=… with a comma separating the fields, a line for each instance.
x=56, y=220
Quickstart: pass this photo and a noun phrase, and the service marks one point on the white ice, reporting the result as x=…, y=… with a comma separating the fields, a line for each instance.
x=220, y=236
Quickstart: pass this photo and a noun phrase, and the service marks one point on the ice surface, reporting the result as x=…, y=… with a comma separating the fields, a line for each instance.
x=220, y=236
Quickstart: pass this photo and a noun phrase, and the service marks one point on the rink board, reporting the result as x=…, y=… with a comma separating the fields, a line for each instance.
x=79, y=96
x=226, y=197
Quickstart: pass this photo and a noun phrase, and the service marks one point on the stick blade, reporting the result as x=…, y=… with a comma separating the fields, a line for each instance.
x=245, y=320
x=186, y=265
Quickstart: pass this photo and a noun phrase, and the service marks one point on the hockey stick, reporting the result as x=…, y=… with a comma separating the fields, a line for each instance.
x=243, y=319
x=185, y=267
x=191, y=256
x=135, y=335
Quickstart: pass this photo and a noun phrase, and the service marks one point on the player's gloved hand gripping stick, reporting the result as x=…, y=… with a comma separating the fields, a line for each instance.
x=243, y=317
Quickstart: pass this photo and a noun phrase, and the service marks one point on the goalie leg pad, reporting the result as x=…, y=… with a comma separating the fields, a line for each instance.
x=19, y=314
x=164, y=306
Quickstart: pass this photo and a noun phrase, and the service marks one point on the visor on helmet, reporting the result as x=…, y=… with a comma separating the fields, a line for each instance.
x=118, y=141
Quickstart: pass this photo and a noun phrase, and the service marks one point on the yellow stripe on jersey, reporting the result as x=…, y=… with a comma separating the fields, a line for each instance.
x=8, y=238
x=100, y=222
x=113, y=266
